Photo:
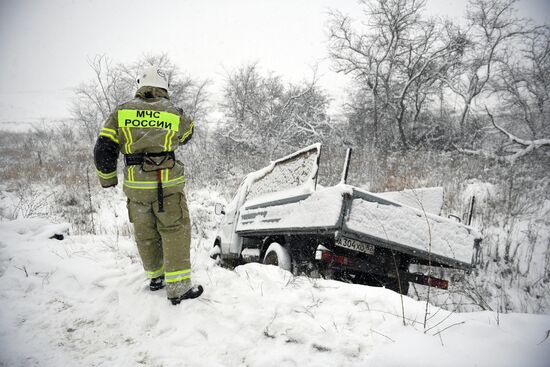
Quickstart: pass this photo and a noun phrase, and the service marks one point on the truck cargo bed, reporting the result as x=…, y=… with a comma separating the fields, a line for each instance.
x=362, y=216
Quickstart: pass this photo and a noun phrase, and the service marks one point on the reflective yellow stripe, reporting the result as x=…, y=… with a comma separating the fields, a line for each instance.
x=178, y=272
x=169, y=148
x=109, y=133
x=172, y=280
x=168, y=140
x=155, y=273
x=109, y=136
x=108, y=130
x=148, y=119
x=188, y=132
x=127, y=137
x=106, y=176
x=130, y=142
x=176, y=276
x=131, y=170
x=148, y=185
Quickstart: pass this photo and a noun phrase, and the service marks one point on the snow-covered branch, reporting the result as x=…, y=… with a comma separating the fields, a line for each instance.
x=528, y=145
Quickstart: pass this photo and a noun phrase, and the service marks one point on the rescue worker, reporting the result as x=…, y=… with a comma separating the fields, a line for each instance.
x=147, y=129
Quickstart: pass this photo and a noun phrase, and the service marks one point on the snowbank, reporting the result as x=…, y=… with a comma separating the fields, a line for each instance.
x=84, y=302
x=31, y=229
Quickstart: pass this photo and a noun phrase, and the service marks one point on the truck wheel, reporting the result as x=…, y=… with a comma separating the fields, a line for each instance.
x=393, y=284
x=216, y=254
x=279, y=256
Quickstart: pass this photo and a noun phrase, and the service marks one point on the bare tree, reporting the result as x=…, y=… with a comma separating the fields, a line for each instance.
x=492, y=25
x=265, y=115
x=398, y=56
x=94, y=100
x=369, y=54
x=522, y=87
x=426, y=57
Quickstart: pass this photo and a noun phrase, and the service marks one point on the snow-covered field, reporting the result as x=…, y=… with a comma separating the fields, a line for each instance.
x=83, y=301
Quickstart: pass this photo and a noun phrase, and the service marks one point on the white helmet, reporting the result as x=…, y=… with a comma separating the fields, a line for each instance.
x=152, y=77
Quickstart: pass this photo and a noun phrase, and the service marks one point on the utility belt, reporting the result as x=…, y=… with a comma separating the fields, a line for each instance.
x=151, y=162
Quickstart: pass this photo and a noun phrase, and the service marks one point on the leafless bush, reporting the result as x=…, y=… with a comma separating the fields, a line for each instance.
x=266, y=116
x=31, y=203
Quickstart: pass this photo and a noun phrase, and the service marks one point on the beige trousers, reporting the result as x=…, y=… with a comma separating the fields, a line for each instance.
x=163, y=240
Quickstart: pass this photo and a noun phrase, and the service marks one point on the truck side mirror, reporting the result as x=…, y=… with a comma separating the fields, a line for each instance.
x=219, y=209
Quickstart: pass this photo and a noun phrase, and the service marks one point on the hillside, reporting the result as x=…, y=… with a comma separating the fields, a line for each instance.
x=84, y=301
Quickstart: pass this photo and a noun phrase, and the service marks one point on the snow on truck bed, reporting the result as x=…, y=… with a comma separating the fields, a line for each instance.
x=413, y=228
x=389, y=221
x=428, y=199
x=319, y=210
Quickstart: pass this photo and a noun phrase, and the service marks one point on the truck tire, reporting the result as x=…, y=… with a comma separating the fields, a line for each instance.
x=279, y=256
x=393, y=284
x=216, y=254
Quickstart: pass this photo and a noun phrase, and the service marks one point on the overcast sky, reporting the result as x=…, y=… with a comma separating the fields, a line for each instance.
x=45, y=44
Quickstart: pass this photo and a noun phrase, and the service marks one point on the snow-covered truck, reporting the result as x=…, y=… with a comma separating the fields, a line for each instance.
x=281, y=216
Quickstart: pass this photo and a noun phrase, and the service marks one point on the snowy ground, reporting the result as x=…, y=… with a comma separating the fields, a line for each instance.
x=83, y=301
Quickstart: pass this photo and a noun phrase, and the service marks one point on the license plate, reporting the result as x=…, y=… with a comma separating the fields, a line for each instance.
x=355, y=245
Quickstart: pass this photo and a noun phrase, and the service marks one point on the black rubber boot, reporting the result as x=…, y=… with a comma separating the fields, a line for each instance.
x=194, y=292
x=157, y=283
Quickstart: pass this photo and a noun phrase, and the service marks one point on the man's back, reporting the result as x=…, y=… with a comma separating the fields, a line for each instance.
x=148, y=123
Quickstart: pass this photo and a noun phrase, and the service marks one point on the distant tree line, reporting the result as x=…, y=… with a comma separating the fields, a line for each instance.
x=482, y=88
